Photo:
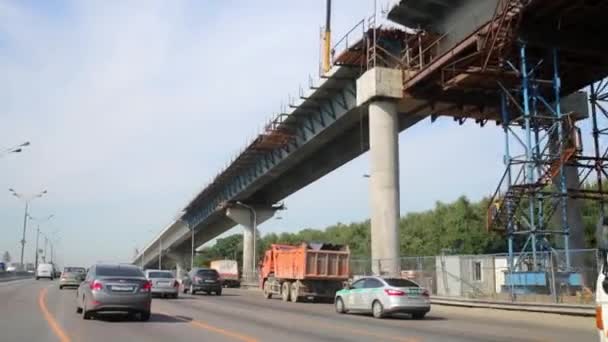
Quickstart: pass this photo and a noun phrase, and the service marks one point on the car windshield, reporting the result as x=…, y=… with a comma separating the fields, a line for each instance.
x=167, y=275
x=207, y=273
x=396, y=282
x=117, y=271
x=74, y=270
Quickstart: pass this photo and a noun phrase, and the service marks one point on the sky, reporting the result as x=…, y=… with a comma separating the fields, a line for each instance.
x=132, y=106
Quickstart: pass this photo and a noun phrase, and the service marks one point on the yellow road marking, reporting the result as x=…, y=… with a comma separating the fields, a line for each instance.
x=63, y=337
x=205, y=326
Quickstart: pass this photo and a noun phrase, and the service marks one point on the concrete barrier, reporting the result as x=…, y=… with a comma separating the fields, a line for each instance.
x=561, y=309
x=10, y=276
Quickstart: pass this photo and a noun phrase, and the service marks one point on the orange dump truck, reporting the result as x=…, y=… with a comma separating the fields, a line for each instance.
x=306, y=271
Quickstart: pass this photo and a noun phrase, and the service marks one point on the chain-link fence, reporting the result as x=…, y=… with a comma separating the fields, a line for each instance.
x=545, y=278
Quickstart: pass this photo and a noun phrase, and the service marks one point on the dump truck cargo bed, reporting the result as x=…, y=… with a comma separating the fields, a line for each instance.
x=308, y=270
x=306, y=262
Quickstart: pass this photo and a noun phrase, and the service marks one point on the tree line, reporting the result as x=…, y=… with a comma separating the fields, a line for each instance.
x=459, y=227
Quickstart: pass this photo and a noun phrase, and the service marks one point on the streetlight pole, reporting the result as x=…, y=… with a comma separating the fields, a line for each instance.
x=23, y=236
x=25, y=216
x=38, y=235
x=160, y=253
x=46, y=241
x=37, y=238
x=192, y=249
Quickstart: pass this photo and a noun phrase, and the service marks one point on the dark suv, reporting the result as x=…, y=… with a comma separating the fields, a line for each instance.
x=203, y=280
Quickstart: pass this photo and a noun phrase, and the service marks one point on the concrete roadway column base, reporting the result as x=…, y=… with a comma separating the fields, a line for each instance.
x=244, y=217
x=180, y=260
x=381, y=89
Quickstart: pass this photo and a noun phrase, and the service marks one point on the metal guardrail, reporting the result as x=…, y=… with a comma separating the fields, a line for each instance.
x=10, y=276
x=561, y=309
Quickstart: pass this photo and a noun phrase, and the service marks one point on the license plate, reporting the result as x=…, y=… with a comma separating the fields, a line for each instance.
x=413, y=293
x=122, y=288
x=163, y=283
x=209, y=281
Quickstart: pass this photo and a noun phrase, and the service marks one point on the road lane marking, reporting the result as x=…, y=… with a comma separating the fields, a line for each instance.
x=63, y=337
x=363, y=332
x=205, y=326
x=315, y=323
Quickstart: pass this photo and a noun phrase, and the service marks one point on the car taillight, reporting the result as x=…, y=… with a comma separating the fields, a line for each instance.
x=426, y=293
x=175, y=284
x=392, y=292
x=599, y=321
x=96, y=286
x=146, y=287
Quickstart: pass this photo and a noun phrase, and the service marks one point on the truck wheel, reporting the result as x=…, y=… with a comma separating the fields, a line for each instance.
x=267, y=290
x=295, y=292
x=285, y=291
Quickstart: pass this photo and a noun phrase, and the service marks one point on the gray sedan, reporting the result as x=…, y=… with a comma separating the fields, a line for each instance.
x=72, y=276
x=114, y=288
x=384, y=296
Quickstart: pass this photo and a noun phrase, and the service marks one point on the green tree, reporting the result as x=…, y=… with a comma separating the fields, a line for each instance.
x=6, y=257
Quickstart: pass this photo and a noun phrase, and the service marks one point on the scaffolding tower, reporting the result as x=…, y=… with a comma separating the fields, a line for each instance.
x=498, y=74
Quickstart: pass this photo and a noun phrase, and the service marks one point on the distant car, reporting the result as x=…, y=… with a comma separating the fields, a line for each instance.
x=45, y=271
x=11, y=269
x=203, y=280
x=384, y=296
x=114, y=288
x=164, y=283
x=72, y=276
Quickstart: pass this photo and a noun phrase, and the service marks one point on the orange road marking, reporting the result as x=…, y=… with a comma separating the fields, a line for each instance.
x=211, y=328
x=63, y=337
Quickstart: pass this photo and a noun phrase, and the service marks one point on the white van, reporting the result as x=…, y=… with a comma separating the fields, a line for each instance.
x=45, y=271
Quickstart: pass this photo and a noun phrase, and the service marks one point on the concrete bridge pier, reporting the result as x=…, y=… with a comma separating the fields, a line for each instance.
x=245, y=217
x=381, y=89
x=182, y=263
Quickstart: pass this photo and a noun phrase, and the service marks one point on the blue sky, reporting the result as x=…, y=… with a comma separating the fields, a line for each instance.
x=131, y=109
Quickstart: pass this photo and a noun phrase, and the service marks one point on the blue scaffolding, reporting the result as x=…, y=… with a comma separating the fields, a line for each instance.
x=530, y=203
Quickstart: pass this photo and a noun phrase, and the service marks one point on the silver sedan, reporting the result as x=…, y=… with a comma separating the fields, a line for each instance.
x=384, y=296
x=163, y=283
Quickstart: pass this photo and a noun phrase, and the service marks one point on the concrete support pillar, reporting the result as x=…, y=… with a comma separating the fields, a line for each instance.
x=384, y=186
x=245, y=217
x=178, y=260
x=180, y=269
x=248, y=246
x=381, y=89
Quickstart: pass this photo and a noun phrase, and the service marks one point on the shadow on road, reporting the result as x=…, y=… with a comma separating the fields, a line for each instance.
x=409, y=317
x=154, y=318
x=212, y=295
x=400, y=317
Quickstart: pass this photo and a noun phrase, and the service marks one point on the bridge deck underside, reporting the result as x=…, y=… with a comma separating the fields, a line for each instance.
x=459, y=77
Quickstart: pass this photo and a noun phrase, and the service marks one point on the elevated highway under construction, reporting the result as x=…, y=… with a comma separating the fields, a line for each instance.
x=519, y=64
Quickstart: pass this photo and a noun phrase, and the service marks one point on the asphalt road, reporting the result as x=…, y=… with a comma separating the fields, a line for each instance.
x=38, y=311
